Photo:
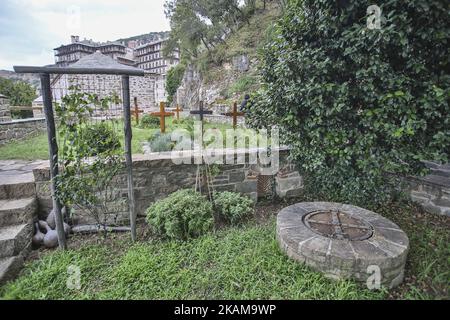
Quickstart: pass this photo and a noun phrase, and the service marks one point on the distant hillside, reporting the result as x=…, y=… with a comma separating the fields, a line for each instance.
x=145, y=38
x=32, y=79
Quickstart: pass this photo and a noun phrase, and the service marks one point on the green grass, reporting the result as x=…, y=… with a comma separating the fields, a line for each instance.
x=31, y=149
x=37, y=148
x=232, y=264
x=236, y=263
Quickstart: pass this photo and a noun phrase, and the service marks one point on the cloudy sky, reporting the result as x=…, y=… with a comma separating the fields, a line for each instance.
x=31, y=29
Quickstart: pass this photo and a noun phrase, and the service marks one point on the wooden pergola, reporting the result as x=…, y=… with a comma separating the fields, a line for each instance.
x=94, y=64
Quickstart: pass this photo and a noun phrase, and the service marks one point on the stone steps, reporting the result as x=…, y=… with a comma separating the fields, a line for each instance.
x=18, y=207
x=10, y=268
x=440, y=170
x=15, y=239
x=17, y=186
x=15, y=212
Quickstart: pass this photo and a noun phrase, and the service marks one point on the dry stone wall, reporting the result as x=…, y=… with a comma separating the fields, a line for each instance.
x=17, y=130
x=433, y=191
x=156, y=176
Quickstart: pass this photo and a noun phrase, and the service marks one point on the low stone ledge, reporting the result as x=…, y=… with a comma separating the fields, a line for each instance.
x=17, y=130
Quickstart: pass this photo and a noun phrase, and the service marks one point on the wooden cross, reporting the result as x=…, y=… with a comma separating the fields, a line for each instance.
x=201, y=112
x=177, y=110
x=136, y=111
x=162, y=114
x=234, y=114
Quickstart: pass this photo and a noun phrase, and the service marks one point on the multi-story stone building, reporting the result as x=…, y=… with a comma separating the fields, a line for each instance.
x=150, y=57
x=147, y=56
x=66, y=55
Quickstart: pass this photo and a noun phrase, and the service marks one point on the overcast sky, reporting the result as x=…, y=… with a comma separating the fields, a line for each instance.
x=31, y=29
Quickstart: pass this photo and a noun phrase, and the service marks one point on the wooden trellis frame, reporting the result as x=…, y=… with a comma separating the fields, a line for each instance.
x=106, y=66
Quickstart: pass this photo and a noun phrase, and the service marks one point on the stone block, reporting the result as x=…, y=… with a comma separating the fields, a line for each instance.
x=247, y=187
x=289, y=186
x=237, y=177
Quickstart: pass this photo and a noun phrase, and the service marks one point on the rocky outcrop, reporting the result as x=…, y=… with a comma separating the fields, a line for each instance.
x=198, y=87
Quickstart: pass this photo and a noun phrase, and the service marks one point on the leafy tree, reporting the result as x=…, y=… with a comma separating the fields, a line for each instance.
x=19, y=93
x=360, y=107
x=173, y=81
x=203, y=24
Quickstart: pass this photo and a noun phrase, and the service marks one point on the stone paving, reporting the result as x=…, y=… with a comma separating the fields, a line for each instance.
x=18, y=171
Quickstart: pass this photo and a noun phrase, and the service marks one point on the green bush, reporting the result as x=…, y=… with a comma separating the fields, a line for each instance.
x=232, y=207
x=182, y=215
x=173, y=81
x=161, y=142
x=360, y=108
x=186, y=123
x=19, y=93
x=242, y=85
x=100, y=138
x=148, y=121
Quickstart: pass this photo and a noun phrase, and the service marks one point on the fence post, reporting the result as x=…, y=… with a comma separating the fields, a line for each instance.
x=53, y=154
x=128, y=155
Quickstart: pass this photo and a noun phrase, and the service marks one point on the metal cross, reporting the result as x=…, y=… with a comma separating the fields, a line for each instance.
x=201, y=112
x=234, y=114
x=162, y=114
x=136, y=111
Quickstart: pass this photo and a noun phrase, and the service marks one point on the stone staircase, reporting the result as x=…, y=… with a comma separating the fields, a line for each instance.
x=18, y=206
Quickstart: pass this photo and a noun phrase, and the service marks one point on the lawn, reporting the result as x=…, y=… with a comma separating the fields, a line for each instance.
x=37, y=148
x=235, y=263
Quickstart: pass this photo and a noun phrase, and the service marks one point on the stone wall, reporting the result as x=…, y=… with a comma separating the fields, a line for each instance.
x=141, y=87
x=17, y=130
x=5, y=114
x=156, y=176
x=433, y=191
x=160, y=89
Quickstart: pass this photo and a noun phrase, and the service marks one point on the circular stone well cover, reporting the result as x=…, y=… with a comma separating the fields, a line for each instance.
x=343, y=241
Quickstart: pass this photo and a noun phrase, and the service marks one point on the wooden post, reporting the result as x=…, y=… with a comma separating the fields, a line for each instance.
x=128, y=154
x=53, y=154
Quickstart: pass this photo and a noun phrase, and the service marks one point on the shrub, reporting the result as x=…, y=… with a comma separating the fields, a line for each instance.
x=242, y=85
x=148, y=121
x=186, y=123
x=161, y=142
x=100, y=138
x=232, y=207
x=182, y=215
x=173, y=81
x=360, y=108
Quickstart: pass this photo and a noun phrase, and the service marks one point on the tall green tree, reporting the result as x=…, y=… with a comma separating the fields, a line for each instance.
x=19, y=93
x=360, y=106
x=173, y=81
